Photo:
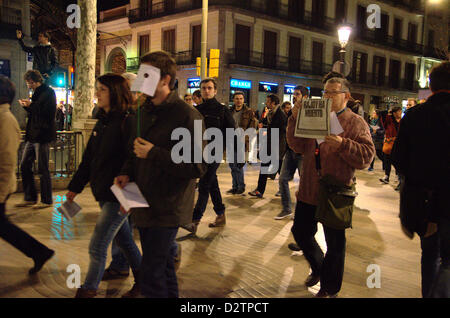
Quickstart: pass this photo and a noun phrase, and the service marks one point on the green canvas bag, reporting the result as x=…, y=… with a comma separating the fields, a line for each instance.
x=335, y=203
x=335, y=200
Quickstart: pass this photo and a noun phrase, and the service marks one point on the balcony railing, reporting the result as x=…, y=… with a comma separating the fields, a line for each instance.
x=182, y=58
x=276, y=62
x=372, y=36
x=373, y=80
x=281, y=11
x=415, y=6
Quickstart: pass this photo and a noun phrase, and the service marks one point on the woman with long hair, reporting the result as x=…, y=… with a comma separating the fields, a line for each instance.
x=102, y=161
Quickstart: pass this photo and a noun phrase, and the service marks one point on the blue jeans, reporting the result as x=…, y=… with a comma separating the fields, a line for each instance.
x=30, y=152
x=157, y=277
x=436, y=262
x=237, y=174
x=291, y=162
x=110, y=225
x=119, y=261
x=208, y=185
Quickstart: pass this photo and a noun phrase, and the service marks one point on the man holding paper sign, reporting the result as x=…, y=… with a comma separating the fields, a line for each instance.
x=336, y=157
x=167, y=186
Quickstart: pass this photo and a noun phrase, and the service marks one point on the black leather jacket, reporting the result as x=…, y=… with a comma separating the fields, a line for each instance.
x=44, y=57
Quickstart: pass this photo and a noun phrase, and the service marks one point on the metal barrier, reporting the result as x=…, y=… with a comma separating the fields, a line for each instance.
x=64, y=157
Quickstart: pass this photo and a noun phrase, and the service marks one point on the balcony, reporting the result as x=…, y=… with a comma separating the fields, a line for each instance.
x=182, y=58
x=371, y=80
x=415, y=6
x=281, y=12
x=375, y=37
x=276, y=62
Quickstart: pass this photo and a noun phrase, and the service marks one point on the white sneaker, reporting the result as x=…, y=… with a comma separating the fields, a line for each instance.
x=41, y=205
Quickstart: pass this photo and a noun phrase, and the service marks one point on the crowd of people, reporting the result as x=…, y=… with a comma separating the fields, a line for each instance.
x=119, y=153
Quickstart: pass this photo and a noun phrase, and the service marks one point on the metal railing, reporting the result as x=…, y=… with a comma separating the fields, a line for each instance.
x=182, y=58
x=280, y=11
x=64, y=157
x=416, y=6
x=386, y=82
x=276, y=62
x=376, y=37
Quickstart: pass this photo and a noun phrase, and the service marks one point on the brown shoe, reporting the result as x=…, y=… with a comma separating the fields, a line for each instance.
x=220, y=221
x=134, y=292
x=86, y=293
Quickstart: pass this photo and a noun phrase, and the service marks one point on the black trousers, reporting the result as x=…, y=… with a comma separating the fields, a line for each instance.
x=330, y=267
x=19, y=238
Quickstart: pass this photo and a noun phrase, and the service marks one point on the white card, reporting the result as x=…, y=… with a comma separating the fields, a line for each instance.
x=147, y=79
x=130, y=196
x=335, y=125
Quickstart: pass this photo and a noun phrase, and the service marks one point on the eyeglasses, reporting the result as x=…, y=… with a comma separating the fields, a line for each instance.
x=332, y=93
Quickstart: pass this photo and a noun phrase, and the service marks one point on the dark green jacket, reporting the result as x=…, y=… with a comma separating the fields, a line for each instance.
x=168, y=187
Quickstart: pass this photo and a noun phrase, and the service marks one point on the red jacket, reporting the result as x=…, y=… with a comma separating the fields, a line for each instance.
x=390, y=127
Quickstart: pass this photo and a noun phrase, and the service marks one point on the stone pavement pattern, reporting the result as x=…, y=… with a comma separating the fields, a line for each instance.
x=248, y=257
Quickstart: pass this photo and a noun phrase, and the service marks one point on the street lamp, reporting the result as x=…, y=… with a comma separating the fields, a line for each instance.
x=344, y=32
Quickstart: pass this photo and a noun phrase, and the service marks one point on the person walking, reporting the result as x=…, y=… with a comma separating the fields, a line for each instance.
x=244, y=118
x=292, y=162
x=101, y=163
x=276, y=119
x=377, y=132
x=167, y=186
x=391, y=124
x=40, y=132
x=421, y=155
x=9, y=144
x=216, y=116
x=336, y=158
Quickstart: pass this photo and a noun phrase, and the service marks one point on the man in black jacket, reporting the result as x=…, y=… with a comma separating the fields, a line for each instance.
x=40, y=132
x=421, y=155
x=44, y=57
x=168, y=187
x=276, y=119
x=218, y=116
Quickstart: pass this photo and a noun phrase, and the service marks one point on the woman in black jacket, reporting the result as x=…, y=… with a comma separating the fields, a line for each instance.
x=101, y=163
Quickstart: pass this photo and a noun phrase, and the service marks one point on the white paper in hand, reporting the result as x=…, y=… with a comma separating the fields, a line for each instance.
x=130, y=197
x=69, y=209
x=147, y=79
x=335, y=125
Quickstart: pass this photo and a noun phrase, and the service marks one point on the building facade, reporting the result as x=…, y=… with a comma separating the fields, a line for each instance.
x=269, y=46
x=14, y=62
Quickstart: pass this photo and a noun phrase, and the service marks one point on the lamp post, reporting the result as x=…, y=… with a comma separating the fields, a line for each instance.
x=344, y=31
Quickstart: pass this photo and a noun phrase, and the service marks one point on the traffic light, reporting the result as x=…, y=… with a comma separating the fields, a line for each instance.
x=60, y=79
x=214, y=56
x=199, y=66
x=70, y=76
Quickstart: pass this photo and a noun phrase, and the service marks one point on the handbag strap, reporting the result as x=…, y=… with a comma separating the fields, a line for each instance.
x=317, y=156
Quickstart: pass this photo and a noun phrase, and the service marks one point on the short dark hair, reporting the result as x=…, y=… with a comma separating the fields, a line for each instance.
x=396, y=109
x=207, y=80
x=185, y=95
x=238, y=93
x=197, y=93
x=331, y=75
x=33, y=75
x=283, y=106
x=274, y=98
x=45, y=34
x=303, y=90
x=440, y=77
x=164, y=62
x=7, y=90
x=120, y=98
